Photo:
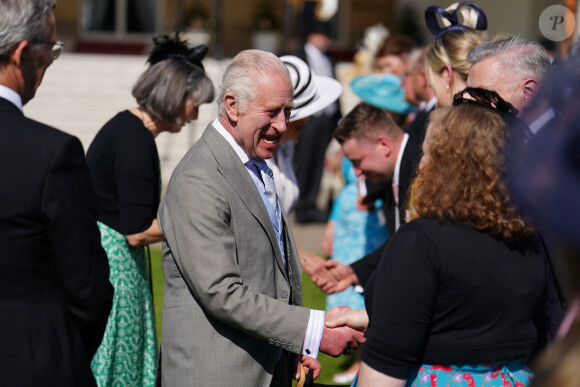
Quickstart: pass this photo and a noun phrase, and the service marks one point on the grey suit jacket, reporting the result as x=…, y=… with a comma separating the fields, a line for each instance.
x=229, y=303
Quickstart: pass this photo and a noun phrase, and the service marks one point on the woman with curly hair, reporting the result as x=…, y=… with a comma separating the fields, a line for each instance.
x=453, y=300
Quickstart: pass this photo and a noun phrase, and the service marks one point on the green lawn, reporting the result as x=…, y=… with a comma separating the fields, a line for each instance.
x=313, y=298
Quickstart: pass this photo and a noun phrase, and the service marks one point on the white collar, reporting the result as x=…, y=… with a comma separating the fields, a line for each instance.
x=429, y=105
x=399, y=158
x=541, y=121
x=11, y=96
x=230, y=139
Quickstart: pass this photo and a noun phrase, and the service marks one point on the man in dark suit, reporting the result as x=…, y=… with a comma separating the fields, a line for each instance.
x=514, y=68
x=381, y=152
x=317, y=132
x=55, y=294
x=417, y=92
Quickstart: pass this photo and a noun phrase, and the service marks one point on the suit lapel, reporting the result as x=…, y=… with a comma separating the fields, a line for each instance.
x=232, y=169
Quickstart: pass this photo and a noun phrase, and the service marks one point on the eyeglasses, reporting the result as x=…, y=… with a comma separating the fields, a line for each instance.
x=487, y=98
x=56, y=49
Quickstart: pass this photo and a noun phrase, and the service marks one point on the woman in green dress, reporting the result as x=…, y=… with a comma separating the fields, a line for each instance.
x=124, y=166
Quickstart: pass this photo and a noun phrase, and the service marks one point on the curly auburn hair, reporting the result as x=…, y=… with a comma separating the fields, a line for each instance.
x=463, y=177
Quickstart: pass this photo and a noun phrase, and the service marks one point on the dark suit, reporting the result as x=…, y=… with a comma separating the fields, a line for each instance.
x=412, y=153
x=418, y=126
x=55, y=294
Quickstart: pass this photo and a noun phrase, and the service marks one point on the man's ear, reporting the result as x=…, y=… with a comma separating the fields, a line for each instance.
x=231, y=107
x=384, y=145
x=531, y=87
x=424, y=78
x=17, y=52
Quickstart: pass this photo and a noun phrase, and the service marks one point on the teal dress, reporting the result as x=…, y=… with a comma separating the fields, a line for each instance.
x=124, y=166
x=356, y=233
x=127, y=355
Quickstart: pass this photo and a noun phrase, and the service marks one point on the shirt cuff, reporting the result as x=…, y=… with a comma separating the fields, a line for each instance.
x=313, y=335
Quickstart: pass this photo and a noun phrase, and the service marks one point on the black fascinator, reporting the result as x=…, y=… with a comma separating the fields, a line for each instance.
x=454, y=20
x=167, y=47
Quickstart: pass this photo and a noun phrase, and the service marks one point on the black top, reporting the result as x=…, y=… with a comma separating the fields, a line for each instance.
x=448, y=294
x=412, y=154
x=124, y=165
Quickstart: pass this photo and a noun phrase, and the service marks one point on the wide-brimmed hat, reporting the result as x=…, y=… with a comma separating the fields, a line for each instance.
x=312, y=93
x=381, y=90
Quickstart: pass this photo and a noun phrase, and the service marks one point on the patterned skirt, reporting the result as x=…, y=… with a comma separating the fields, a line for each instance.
x=127, y=355
x=515, y=373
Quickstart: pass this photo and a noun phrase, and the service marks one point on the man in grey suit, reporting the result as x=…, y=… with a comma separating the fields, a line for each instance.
x=232, y=311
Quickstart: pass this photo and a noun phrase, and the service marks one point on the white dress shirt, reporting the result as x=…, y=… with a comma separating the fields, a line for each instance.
x=12, y=96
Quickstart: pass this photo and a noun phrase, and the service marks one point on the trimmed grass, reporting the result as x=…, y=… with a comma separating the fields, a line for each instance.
x=313, y=298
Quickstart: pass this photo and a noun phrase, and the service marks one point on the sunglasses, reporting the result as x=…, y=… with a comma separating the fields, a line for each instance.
x=487, y=98
x=56, y=48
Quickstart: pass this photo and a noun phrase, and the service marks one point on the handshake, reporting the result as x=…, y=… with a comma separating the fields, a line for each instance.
x=343, y=330
x=329, y=275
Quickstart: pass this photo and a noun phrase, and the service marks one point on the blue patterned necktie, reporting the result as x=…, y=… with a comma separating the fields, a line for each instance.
x=262, y=174
x=268, y=180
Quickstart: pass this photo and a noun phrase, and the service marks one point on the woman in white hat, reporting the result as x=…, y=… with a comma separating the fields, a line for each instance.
x=312, y=93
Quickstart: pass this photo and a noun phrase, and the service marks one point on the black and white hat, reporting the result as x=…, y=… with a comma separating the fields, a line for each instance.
x=312, y=93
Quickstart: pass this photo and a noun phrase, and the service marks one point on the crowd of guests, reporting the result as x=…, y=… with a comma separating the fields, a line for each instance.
x=447, y=241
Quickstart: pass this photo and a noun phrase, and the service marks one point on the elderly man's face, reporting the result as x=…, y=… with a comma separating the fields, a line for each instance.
x=35, y=61
x=487, y=74
x=259, y=129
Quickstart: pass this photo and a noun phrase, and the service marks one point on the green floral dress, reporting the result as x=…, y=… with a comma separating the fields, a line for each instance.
x=128, y=354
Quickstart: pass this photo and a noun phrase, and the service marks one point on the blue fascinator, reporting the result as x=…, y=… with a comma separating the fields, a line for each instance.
x=440, y=21
x=381, y=90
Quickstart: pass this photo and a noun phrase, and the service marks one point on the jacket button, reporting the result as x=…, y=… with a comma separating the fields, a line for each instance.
x=270, y=341
x=284, y=294
x=277, y=343
x=289, y=347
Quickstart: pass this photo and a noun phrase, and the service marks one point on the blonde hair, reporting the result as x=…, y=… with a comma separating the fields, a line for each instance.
x=452, y=49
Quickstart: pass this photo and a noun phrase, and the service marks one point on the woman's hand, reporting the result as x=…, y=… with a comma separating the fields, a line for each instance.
x=314, y=265
x=343, y=315
x=152, y=235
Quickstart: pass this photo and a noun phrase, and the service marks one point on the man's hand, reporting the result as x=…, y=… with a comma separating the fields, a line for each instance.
x=336, y=341
x=309, y=363
x=343, y=315
x=342, y=277
x=364, y=204
x=314, y=266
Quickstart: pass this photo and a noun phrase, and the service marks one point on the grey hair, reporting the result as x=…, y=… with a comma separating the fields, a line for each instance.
x=23, y=20
x=517, y=57
x=164, y=88
x=241, y=77
x=415, y=60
